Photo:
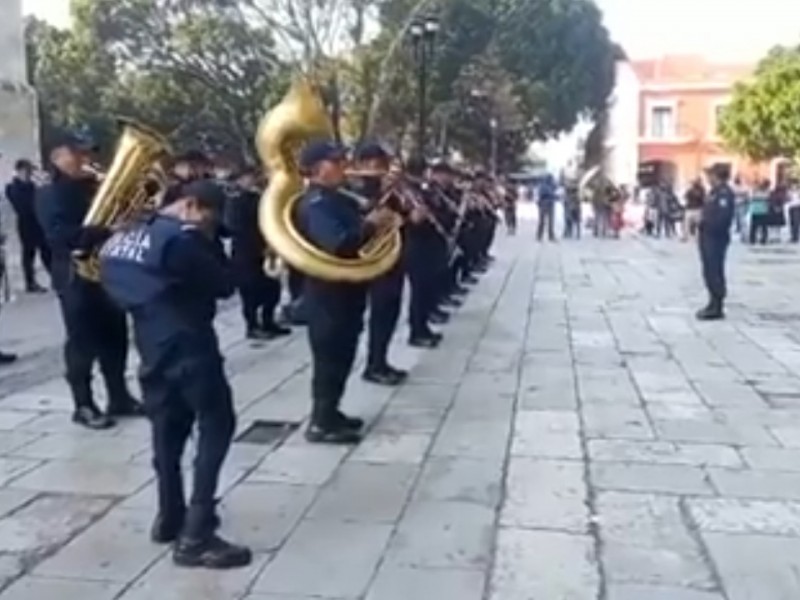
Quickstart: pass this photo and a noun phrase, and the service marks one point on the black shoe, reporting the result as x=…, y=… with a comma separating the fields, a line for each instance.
x=401, y=374
x=469, y=279
x=423, y=342
x=35, y=288
x=211, y=553
x=352, y=423
x=257, y=335
x=710, y=313
x=126, y=407
x=7, y=359
x=336, y=435
x=274, y=330
x=439, y=318
x=92, y=418
x=452, y=301
x=459, y=290
x=382, y=377
x=166, y=531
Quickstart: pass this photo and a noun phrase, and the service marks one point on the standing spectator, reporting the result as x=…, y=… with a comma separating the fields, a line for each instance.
x=572, y=212
x=742, y=196
x=759, y=209
x=695, y=198
x=547, y=200
x=509, y=196
x=664, y=201
x=21, y=192
x=615, y=209
x=777, y=212
x=794, y=210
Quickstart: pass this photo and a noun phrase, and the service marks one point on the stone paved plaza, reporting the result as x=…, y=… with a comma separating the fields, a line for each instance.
x=578, y=436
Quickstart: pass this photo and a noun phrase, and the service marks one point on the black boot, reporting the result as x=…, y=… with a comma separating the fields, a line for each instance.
x=713, y=312
x=87, y=414
x=199, y=546
x=121, y=402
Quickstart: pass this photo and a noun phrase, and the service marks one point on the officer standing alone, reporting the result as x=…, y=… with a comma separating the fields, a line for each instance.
x=96, y=329
x=714, y=238
x=169, y=270
x=333, y=222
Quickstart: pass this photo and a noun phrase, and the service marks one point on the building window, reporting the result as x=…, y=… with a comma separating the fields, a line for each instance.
x=662, y=122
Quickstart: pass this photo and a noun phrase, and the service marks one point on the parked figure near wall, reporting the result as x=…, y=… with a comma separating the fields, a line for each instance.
x=776, y=215
x=21, y=193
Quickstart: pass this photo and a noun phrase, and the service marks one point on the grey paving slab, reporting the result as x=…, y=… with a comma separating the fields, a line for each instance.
x=647, y=541
x=731, y=515
x=756, y=566
x=650, y=592
x=541, y=564
x=402, y=583
x=545, y=494
x=39, y=588
x=666, y=453
x=547, y=434
x=326, y=558
x=451, y=479
x=443, y=535
x=367, y=492
x=117, y=548
x=637, y=477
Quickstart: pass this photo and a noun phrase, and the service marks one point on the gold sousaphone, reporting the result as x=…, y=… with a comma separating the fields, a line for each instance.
x=297, y=119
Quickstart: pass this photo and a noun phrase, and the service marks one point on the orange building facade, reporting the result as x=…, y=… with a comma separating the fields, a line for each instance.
x=680, y=100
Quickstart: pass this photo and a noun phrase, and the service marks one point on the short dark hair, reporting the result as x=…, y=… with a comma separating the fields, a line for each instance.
x=22, y=164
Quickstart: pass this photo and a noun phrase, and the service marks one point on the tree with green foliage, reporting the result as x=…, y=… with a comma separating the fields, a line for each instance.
x=762, y=119
x=198, y=72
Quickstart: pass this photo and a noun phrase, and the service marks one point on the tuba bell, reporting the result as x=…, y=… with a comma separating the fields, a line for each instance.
x=130, y=186
x=298, y=118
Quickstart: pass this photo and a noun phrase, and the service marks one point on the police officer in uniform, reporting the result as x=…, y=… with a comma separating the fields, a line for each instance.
x=714, y=239
x=386, y=292
x=21, y=193
x=168, y=269
x=333, y=222
x=423, y=244
x=96, y=328
x=260, y=294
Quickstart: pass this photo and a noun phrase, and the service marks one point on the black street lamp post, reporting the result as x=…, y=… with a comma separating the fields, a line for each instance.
x=423, y=33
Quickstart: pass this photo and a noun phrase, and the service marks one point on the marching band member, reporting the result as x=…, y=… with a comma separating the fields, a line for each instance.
x=96, y=329
x=333, y=222
x=422, y=244
x=260, y=294
x=168, y=269
x=386, y=292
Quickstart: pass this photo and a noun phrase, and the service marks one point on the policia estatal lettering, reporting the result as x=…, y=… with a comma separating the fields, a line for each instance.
x=333, y=222
x=168, y=270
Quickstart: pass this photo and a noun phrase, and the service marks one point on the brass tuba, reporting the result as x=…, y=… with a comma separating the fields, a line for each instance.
x=124, y=191
x=298, y=118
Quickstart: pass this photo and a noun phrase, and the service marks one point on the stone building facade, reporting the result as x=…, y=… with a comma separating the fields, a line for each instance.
x=18, y=115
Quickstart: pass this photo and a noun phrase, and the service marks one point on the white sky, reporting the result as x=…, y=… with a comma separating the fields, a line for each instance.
x=736, y=30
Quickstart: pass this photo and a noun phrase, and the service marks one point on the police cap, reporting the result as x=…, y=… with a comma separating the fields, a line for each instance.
x=319, y=151
x=370, y=151
x=73, y=141
x=207, y=193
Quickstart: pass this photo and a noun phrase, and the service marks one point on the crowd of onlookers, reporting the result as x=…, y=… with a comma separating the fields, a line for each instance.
x=763, y=211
